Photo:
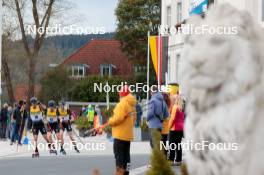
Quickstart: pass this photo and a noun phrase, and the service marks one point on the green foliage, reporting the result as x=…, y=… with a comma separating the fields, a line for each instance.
x=144, y=125
x=84, y=89
x=135, y=18
x=184, y=170
x=55, y=85
x=107, y=113
x=108, y=129
x=82, y=123
x=159, y=163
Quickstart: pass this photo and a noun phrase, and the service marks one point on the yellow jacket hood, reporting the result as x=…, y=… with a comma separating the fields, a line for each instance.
x=123, y=118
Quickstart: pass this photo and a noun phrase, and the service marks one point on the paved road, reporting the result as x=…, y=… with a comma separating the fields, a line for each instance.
x=67, y=165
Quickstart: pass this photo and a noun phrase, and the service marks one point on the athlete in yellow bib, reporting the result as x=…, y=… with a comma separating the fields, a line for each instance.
x=52, y=121
x=36, y=115
x=64, y=114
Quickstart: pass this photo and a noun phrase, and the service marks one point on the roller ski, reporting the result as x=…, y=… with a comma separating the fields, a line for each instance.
x=35, y=154
x=63, y=152
x=53, y=152
x=76, y=149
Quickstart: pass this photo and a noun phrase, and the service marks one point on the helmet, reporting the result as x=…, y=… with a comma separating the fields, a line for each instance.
x=33, y=100
x=124, y=91
x=51, y=103
x=62, y=102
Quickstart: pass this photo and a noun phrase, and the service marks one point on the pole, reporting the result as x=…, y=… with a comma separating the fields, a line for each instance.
x=107, y=98
x=148, y=55
x=159, y=60
x=1, y=51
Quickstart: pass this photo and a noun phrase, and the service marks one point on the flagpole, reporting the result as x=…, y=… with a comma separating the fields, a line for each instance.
x=148, y=55
x=159, y=59
x=1, y=51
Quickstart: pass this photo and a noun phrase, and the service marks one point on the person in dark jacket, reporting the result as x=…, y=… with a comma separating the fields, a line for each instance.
x=3, y=121
x=19, y=118
x=157, y=112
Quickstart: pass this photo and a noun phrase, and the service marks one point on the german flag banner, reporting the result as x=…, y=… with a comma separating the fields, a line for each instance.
x=159, y=50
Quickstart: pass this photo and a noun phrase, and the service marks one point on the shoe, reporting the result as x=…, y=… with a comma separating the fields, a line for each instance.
x=11, y=143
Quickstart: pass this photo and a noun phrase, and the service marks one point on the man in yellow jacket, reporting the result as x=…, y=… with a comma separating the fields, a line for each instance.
x=122, y=123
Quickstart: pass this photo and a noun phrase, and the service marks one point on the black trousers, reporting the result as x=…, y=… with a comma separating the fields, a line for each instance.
x=122, y=153
x=164, y=139
x=176, y=138
x=3, y=125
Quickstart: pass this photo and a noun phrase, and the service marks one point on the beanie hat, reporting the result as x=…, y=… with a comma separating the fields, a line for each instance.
x=124, y=91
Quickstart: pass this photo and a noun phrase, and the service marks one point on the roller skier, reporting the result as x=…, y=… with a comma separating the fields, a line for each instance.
x=65, y=119
x=52, y=123
x=36, y=115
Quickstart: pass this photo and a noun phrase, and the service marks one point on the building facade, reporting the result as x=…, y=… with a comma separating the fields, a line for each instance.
x=174, y=12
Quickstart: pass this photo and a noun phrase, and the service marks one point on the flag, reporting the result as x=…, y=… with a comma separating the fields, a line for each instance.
x=159, y=50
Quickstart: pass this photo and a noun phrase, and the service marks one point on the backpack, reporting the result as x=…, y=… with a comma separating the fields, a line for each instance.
x=161, y=117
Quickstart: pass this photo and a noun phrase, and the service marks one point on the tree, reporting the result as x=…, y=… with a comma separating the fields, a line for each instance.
x=159, y=163
x=6, y=69
x=32, y=52
x=84, y=90
x=135, y=18
x=55, y=85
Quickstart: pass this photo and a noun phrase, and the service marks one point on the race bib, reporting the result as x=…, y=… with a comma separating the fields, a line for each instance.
x=64, y=118
x=52, y=119
x=36, y=116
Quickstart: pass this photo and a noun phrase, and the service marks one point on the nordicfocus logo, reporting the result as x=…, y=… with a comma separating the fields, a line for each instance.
x=138, y=87
x=89, y=146
x=199, y=146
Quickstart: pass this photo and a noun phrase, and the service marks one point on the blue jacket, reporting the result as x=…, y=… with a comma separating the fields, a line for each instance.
x=156, y=107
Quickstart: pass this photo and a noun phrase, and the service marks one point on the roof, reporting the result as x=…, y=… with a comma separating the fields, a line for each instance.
x=97, y=52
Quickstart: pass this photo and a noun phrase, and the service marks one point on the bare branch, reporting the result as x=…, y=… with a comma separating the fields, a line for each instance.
x=48, y=15
x=21, y=22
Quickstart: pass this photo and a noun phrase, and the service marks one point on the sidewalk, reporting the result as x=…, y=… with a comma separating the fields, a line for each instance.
x=24, y=151
x=98, y=145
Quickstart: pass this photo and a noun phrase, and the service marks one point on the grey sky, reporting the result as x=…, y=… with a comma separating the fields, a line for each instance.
x=97, y=13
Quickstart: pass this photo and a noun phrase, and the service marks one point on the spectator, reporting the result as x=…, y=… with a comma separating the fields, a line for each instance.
x=176, y=125
x=98, y=111
x=165, y=126
x=9, y=126
x=19, y=118
x=157, y=112
x=90, y=115
x=139, y=115
x=122, y=123
x=3, y=121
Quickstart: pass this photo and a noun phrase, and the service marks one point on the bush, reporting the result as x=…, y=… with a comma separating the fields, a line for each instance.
x=82, y=123
x=107, y=113
x=55, y=85
x=84, y=89
x=159, y=163
x=144, y=125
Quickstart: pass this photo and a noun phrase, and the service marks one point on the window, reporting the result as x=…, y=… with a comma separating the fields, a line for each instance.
x=77, y=71
x=179, y=12
x=106, y=70
x=169, y=16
